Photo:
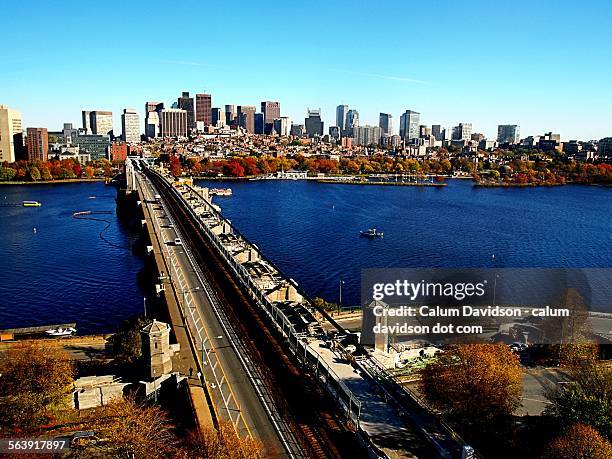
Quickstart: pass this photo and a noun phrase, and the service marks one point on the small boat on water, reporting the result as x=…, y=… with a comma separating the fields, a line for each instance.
x=371, y=233
x=61, y=331
x=31, y=204
x=221, y=191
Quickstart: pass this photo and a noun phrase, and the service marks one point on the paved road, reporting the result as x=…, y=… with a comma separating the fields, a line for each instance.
x=244, y=406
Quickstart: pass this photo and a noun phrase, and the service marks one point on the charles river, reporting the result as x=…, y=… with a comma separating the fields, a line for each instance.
x=64, y=272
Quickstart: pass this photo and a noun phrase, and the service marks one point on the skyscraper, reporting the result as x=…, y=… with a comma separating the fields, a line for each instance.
x=437, y=131
x=352, y=121
x=152, y=127
x=385, y=122
x=101, y=122
x=217, y=117
x=341, y=111
x=86, y=119
x=313, y=123
x=246, y=117
x=508, y=133
x=173, y=122
x=409, y=125
x=38, y=144
x=230, y=114
x=10, y=131
x=186, y=103
x=259, y=123
x=282, y=126
x=130, y=125
x=270, y=110
x=203, y=109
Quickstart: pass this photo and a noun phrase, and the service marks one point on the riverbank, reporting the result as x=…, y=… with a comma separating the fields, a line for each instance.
x=54, y=182
x=534, y=185
x=355, y=182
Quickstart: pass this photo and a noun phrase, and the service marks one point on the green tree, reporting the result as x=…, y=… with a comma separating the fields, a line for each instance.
x=126, y=343
x=34, y=173
x=35, y=382
x=7, y=173
x=587, y=399
x=46, y=174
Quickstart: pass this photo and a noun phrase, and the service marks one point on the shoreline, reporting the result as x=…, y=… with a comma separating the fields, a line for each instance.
x=354, y=182
x=53, y=182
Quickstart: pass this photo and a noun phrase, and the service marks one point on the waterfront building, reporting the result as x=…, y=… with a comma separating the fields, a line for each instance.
x=130, y=126
x=100, y=123
x=463, y=131
x=604, y=147
x=352, y=121
x=230, y=114
x=314, y=124
x=385, y=121
x=11, y=134
x=508, y=133
x=204, y=109
x=68, y=133
x=341, y=111
x=550, y=141
x=367, y=135
x=282, y=126
x=152, y=122
x=95, y=145
x=118, y=151
x=38, y=144
x=246, y=118
x=297, y=130
x=173, y=122
x=409, y=125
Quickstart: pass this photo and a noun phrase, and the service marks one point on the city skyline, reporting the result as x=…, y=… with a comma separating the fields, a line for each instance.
x=482, y=64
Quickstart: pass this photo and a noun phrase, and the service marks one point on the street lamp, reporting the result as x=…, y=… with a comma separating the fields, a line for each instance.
x=144, y=302
x=340, y=295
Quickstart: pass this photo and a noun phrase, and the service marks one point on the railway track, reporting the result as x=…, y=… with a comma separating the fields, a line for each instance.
x=308, y=410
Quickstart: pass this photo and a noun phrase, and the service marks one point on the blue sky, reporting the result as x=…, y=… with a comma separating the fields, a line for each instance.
x=544, y=64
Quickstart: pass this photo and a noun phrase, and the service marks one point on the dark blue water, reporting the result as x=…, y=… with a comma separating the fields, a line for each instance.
x=64, y=272
x=311, y=230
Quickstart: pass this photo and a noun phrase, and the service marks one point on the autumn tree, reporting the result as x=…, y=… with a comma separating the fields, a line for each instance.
x=89, y=171
x=224, y=443
x=7, y=173
x=35, y=382
x=135, y=430
x=474, y=382
x=579, y=442
x=34, y=174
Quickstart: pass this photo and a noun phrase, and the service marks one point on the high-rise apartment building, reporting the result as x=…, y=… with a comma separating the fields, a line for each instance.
x=230, y=114
x=409, y=125
x=341, y=111
x=259, y=123
x=10, y=132
x=352, y=121
x=186, y=103
x=367, y=135
x=95, y=145
x=152, y=122
x=100, y=122
x=130, y=126
x=204, y=109
x=385, y=122
x=173, y=122
x=334, y=132
x=462, y=132
x=437, y=132
x=508, y=133
x=314, y=124
x=38, y=144
x=270, y=110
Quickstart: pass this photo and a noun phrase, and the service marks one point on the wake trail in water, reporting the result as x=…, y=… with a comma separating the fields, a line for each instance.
x=87, y=215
